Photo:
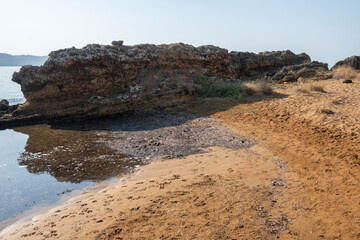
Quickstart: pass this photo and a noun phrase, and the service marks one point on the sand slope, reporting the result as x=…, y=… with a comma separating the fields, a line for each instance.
x=321, y=150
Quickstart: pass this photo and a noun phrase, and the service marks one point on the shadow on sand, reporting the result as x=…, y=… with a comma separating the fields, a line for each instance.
x=75, y=151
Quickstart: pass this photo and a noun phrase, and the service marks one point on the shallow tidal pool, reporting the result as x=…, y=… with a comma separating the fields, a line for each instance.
x=39, y=165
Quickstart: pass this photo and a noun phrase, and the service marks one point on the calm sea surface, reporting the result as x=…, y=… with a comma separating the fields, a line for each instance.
x=20, y=190
x=41, y=164
x=8, y=89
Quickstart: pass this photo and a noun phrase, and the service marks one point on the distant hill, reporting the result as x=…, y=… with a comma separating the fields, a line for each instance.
x=21, y=60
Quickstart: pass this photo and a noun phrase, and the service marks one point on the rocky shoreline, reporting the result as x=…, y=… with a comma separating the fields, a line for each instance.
x=104, y=80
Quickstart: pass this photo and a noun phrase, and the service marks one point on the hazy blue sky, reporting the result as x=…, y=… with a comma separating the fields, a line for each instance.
x=328, y=30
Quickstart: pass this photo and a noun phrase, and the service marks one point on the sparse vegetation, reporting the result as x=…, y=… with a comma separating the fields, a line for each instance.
x=302, y=89
x=211, y=87
x=316, y=86
x=229, y=88
x=311, y=86
x=346, y=73
x=285, y=85
x=259, y=87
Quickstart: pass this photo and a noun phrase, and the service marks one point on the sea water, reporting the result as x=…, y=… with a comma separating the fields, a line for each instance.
x=21, y=190
x=41, y=164
x=8, y=89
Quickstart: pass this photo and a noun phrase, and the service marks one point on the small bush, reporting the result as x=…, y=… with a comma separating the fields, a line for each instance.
x=260, y=87
x=318, y=87
x=343, y=72
x=302, y=89
x=220, y=88
x=311, y=86
x=216, y=87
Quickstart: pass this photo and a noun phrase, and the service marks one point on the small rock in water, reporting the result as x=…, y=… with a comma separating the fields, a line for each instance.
x=4, y=105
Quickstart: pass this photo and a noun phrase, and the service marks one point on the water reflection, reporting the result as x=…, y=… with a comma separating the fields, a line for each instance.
x=39, y=164
x=21, y=190
x=71, y=155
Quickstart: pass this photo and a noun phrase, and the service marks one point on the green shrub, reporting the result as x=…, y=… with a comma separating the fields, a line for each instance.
x=220, y=88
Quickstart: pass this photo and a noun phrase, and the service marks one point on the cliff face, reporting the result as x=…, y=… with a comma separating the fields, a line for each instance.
x=104, y=80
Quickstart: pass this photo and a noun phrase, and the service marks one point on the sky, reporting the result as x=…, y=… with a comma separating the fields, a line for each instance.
x=327, y=30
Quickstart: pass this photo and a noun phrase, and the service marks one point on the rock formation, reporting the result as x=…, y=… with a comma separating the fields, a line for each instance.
x=5, y=108
x=303, y=70
x=4, y=105
x=100, y=80
x=353, y=62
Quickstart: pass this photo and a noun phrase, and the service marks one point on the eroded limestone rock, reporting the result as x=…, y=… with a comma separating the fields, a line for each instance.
x=305, y=70
x=100, y=80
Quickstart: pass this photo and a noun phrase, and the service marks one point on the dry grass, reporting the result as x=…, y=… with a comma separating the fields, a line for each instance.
x=346, y=73
x=311, y=86
x=317, y=87
x=259, y=87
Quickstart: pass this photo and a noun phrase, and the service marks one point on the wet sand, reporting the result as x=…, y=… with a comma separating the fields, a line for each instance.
x=178, y=198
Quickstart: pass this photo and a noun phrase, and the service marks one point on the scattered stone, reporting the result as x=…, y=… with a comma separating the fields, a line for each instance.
x=263, y=212
x=180, y=134
x=278, y=182
x=275, y=226
x=327, y=111
x=347, y=81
